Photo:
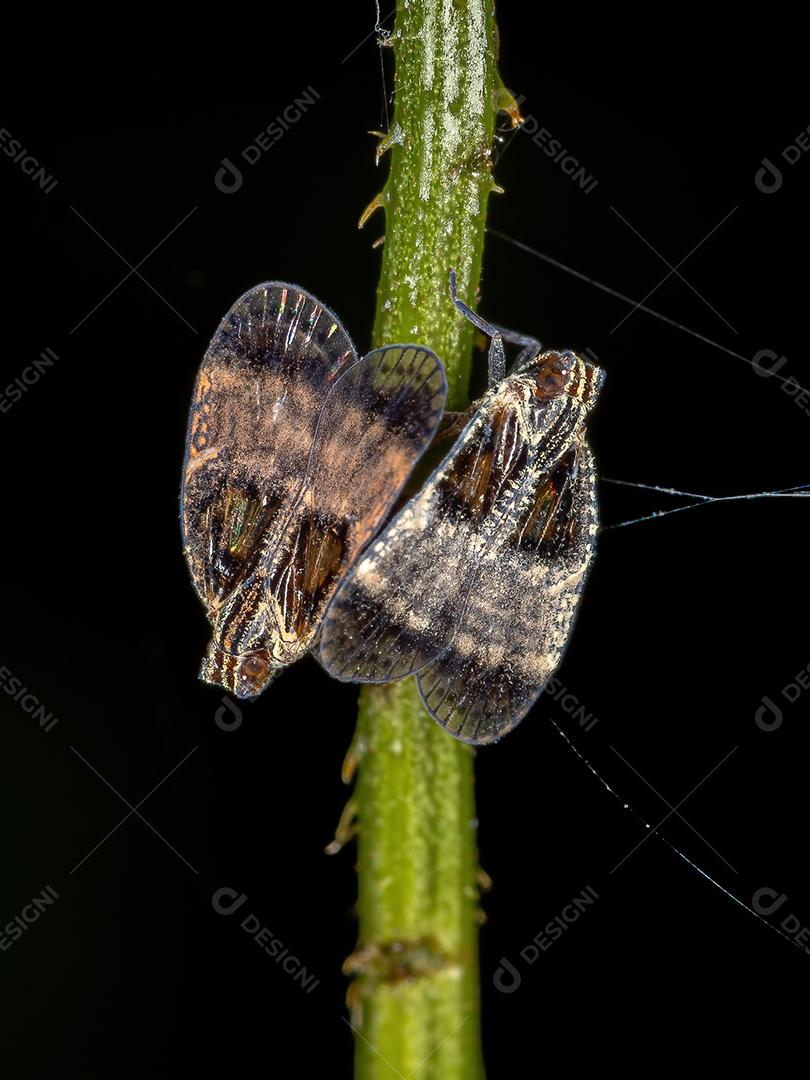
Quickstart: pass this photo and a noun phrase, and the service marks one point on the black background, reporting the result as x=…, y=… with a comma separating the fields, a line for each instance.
x=687, y=622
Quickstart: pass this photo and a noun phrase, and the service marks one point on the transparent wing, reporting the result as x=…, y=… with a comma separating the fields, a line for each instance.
x=379, y=417
x=520, y=611
x=255, y=409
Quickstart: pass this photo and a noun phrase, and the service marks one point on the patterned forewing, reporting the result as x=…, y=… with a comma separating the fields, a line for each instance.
x=254, y=412
x=522, y=605
x=377, y=420
x=398, y=608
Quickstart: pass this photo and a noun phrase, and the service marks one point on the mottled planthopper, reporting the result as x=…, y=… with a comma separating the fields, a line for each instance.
x=296, y=450
x=475, y=583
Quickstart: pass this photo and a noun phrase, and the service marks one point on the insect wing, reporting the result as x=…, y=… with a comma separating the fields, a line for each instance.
x=520, y=611
x=475, y=583
x=254, y=413
x=379, y=417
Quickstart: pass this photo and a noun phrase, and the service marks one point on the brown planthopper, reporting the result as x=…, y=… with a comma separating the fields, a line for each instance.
x=296, y=450
x=475, y=583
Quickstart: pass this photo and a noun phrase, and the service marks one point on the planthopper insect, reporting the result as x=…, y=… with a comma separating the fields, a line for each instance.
x=474, y=585
x=296, y=449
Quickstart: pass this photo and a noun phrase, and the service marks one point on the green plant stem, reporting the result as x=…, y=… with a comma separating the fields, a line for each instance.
x=416, y=997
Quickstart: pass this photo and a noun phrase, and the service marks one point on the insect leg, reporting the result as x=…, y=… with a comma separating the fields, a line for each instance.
x=498, y=334
x=496, y=361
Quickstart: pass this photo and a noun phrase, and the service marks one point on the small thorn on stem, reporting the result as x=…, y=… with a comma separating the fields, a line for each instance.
x=377, y=203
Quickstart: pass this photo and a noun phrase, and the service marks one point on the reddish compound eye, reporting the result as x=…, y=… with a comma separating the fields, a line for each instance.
x=551, y=376
x=254, y=667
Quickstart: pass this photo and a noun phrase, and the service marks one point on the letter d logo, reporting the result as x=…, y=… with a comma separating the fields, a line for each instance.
x=767, y=901
x=228, y=716
x=768, y=716
x=771, y=368
x=768, y=179
x=228, y=179
x=511, y=982
x=226, y=901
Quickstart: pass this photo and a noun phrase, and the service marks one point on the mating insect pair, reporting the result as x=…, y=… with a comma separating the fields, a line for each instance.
x=297, y=450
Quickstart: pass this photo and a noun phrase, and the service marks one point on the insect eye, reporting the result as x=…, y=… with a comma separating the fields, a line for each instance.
x=254, y=667
x=550, y=382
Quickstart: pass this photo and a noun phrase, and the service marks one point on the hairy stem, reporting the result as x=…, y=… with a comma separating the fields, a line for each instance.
x=416, y=998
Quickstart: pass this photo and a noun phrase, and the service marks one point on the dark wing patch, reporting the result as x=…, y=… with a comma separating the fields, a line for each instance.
x=301, y=576
x=550, y=525
x=521, y=609
x=480, y=472
x=255, y=408
x=377, y=420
